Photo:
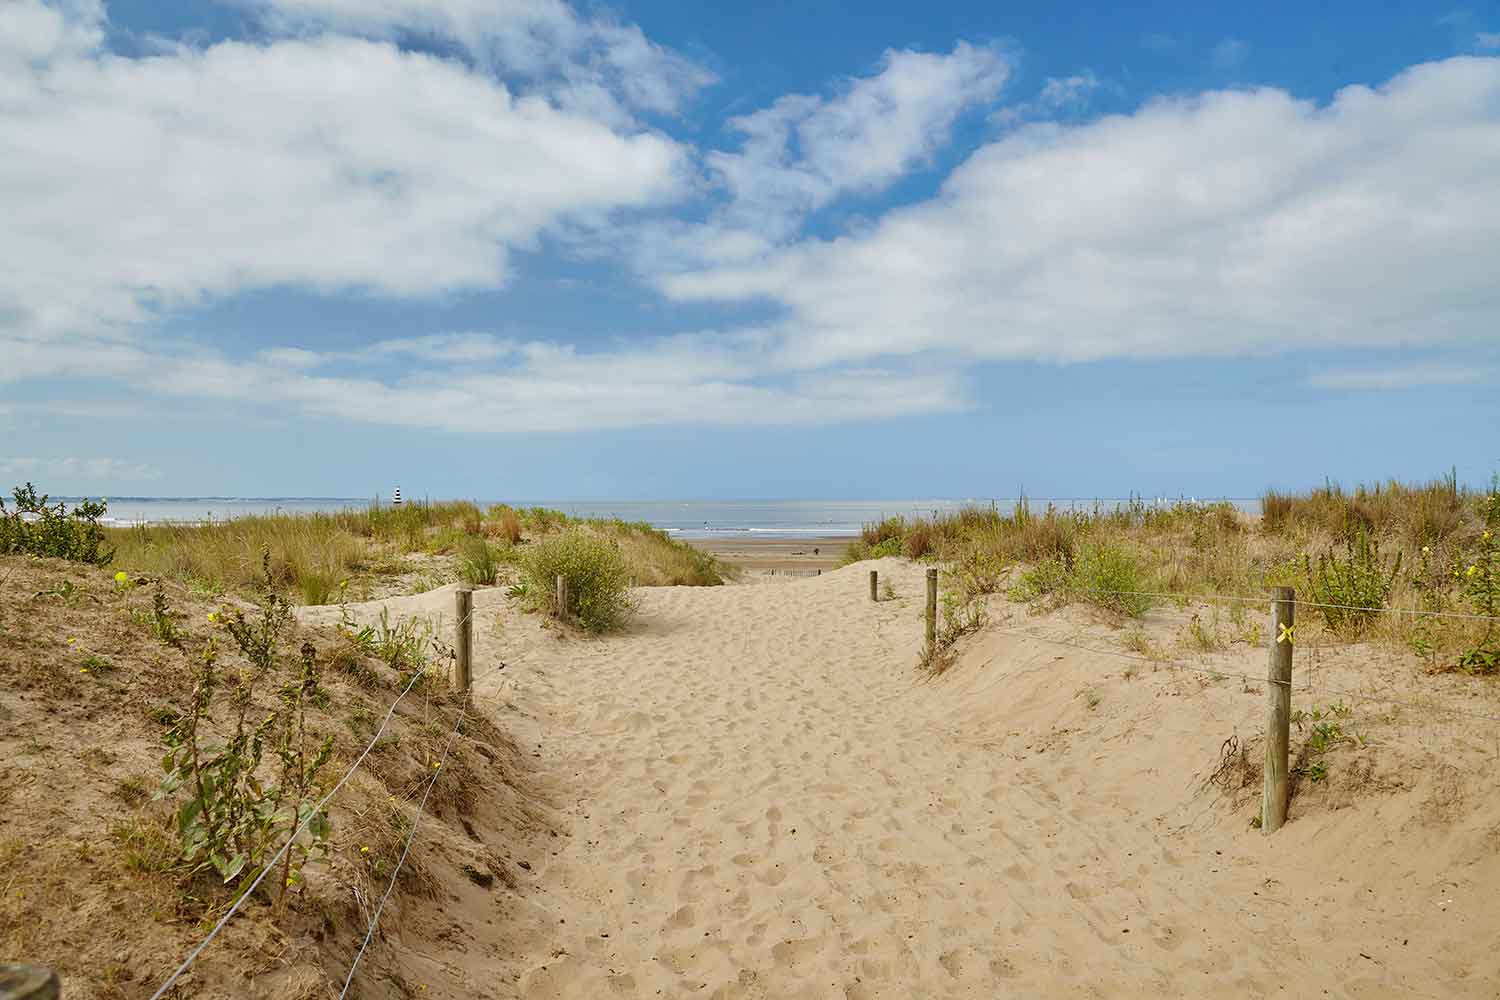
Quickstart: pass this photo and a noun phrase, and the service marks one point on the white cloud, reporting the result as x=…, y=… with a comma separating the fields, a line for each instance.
x=1228, y=223
x=1068, y=92
x=703, y=379
x=71, y=470
x=132, y=185
x=593, y=64
x=804, y=151
x=1404, y=376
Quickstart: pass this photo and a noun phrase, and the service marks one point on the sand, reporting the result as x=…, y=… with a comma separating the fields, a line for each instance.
x=753, y=793
x=759, y=558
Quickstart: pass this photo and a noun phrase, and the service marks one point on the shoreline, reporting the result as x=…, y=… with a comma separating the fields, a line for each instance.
x=767, y=555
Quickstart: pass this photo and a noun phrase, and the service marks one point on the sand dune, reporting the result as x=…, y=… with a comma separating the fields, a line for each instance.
x=757, y=795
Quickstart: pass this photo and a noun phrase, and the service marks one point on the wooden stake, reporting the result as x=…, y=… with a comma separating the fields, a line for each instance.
x=931, y=611
x=463, y=675
x=873, y=592
x=1273, y=800
x=562, y=597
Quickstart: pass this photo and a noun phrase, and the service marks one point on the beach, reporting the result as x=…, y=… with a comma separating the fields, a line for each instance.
x=766, y=556
x=753, y=792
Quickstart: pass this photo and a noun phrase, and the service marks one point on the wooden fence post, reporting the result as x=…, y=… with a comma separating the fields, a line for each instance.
x=873, y=592
x=464, y=641
x=1273, y=800
x=562, y=597
x=28, y=982
x=931, y=611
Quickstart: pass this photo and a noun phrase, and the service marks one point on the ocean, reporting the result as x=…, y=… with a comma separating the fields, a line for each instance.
x=688, y=518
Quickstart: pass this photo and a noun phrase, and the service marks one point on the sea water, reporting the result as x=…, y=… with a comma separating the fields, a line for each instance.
x=688, y=518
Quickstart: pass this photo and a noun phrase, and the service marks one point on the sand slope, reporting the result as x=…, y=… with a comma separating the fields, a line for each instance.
x=756, y=795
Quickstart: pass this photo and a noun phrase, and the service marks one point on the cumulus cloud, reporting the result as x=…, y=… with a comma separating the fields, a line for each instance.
x=129, y=186
x=1220, y=224
x=804, y=151
x=594, y=64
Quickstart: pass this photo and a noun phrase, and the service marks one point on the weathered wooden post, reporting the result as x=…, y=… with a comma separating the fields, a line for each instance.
x=562, y=597
x=1273, y=800
x=931, y=611
x=28, y=982
x=463, y=675
x=874, y=594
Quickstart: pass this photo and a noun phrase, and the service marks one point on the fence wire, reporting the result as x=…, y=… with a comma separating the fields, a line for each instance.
x=322, y=804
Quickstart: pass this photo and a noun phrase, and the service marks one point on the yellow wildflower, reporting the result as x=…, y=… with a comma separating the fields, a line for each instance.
x=71, y=641
x=364, y=850
x=122, y=577
x=1472, y=570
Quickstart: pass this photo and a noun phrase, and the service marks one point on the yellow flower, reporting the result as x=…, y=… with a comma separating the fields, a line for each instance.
x=122, y=577
x=364, y=850
x=71, y=641
x=213, y=616
x=343, y=584
x=1486, y=536
x=83, y=670
x=1426, y=549
x=1472, y=570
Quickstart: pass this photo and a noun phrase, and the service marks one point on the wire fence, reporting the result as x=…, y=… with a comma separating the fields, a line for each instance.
x=301, y=827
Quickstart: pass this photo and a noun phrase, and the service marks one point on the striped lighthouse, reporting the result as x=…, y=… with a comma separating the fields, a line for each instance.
x=396, y=497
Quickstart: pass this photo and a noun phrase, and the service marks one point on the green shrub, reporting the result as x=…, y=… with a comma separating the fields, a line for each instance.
x=41, y=529
x=1050, y=576
x=597, y=574
x=478, y=563
x=1481, y=585
x=1110, y=577
x=1353, y=587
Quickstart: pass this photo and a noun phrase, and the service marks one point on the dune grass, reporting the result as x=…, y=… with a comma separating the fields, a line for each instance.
x=1391, y=545
x=311, y=555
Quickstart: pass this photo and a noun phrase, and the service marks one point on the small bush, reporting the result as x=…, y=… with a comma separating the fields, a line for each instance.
x=38, y=528
x=597, y=574
x=1048, y=577
x=1481, y=585
x=919, y=540
x=505, y=524
x=1110, y=577
x=478, y=563
x=1353, y=587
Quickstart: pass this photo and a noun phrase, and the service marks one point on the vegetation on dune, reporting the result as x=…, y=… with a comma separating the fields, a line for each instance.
x=39, y=528
x=315, y=556
x=205, y=734
x=1350, y=554
x=596, y=572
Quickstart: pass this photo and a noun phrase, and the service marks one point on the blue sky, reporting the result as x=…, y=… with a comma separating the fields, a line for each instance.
x=656, y=250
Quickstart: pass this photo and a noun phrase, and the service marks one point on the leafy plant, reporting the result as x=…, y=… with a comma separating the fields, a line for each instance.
x=37, y=527
x=1353, y=587
x=230, y=821
x=163, y=622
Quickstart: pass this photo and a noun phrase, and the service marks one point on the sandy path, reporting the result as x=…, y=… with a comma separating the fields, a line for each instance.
x=759, y=796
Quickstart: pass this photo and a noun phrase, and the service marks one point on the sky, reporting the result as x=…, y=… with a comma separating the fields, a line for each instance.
x=527, y=249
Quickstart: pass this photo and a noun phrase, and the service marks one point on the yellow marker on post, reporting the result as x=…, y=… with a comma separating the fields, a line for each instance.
x=1286, y=634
